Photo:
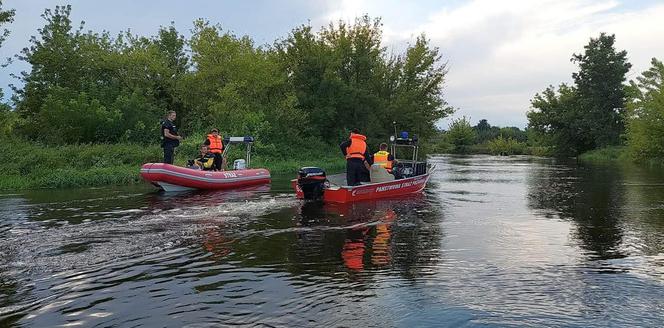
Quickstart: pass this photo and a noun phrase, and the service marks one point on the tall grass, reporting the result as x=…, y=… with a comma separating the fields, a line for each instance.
x=29, y=165
x=607, y=154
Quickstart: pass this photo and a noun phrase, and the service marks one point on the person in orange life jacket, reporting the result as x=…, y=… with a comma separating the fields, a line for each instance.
x=169, y=136
x=358, y=158
x=215, y=141
x=384, y=158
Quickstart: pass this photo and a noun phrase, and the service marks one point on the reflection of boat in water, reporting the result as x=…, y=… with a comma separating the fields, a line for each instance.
x=366, y=229
x=174, y=178
x=313, y=184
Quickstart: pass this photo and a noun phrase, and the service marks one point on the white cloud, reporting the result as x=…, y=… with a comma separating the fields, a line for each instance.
x=502, y=52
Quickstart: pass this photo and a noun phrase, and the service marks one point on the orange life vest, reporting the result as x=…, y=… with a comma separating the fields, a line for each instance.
x=381, y=159
x=216, y=146
x=357, y=147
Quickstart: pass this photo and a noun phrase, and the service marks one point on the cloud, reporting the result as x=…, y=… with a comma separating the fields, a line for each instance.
x=500, y=53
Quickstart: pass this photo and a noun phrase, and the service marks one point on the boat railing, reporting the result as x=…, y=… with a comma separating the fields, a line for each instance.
x=246, y=140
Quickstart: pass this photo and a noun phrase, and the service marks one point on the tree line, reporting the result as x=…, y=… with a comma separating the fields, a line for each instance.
x=600, y=109
x=304, y=91
x=463, y=138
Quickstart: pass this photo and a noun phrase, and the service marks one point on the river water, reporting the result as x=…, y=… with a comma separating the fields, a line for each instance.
x=494, y=241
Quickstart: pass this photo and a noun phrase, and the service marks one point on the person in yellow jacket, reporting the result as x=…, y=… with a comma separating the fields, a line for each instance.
x=205, y=160
x=215, y=142
x=384, y=158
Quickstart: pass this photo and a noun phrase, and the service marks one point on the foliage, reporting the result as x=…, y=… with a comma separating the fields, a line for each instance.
x=95, y=88
x=575, y=119
x=599, y=84
x=555, y=120
x=304, y=92
x=542, y=151
x=645, y=125
x=6, y=16
x=342, y=78
x=485, y=131
x=461, y=135
x=7, y=119
x=7, y=116
x=506, y=146
x=606, y=154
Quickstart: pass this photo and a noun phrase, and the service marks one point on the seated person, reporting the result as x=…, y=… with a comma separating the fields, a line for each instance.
x=379, y=174
x=381, y=170
x=384, y=158
x=204, y=161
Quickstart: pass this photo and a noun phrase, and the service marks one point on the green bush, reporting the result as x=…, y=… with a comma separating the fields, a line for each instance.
x=542, y=151
x=506, y=146
x=461, y=135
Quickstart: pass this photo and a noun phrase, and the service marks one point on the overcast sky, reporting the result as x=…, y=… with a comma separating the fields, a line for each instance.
x=499, y=53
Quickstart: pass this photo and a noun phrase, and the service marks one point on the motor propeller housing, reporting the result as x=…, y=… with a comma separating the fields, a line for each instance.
x=312, y=182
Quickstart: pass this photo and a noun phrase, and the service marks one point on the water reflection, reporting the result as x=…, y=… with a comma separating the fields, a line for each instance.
x=401, y=234
x=616, y=209
x=593, y=198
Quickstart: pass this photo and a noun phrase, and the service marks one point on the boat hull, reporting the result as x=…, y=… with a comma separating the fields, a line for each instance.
x=174, y=178
x=346, y=194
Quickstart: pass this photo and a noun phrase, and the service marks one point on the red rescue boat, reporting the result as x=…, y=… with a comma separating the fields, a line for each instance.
x=344, y=194
x=174, y=178
x=410, y=176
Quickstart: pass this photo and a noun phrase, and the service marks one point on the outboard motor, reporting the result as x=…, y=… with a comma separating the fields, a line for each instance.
x=312, y=182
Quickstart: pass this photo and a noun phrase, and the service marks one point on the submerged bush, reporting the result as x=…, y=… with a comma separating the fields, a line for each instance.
x=506, y=146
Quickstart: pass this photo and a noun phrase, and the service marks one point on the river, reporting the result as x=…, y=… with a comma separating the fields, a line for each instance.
x=493, y=241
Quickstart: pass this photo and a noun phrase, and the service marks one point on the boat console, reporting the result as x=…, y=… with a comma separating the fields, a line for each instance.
x=408, y=166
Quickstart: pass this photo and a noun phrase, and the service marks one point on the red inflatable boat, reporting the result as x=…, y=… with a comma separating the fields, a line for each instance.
x=174, y=178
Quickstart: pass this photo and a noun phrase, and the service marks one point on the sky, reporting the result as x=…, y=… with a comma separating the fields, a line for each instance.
x=499, y=53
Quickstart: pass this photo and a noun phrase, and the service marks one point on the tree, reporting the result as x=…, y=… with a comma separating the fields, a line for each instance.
x=6, y=16
x=599, y=84
x=513, y=132
x=589, y=114
x=342, y=78
x=7, y=116
x=483, y=125
x=116, y=88
x=485, y=131
x=645, y=124
x=555, y=118
x=461, y=135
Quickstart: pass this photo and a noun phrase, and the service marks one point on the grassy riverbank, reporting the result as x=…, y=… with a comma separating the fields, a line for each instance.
x=620, y=154
x=607, y=154
x=27, y=165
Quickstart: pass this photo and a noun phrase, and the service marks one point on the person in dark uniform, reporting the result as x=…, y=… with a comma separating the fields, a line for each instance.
x=358, y=158
x=169, y=137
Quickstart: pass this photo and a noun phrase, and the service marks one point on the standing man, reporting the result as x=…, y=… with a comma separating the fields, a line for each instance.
x=357, y=158
x=214, y=140
x=169, y=136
